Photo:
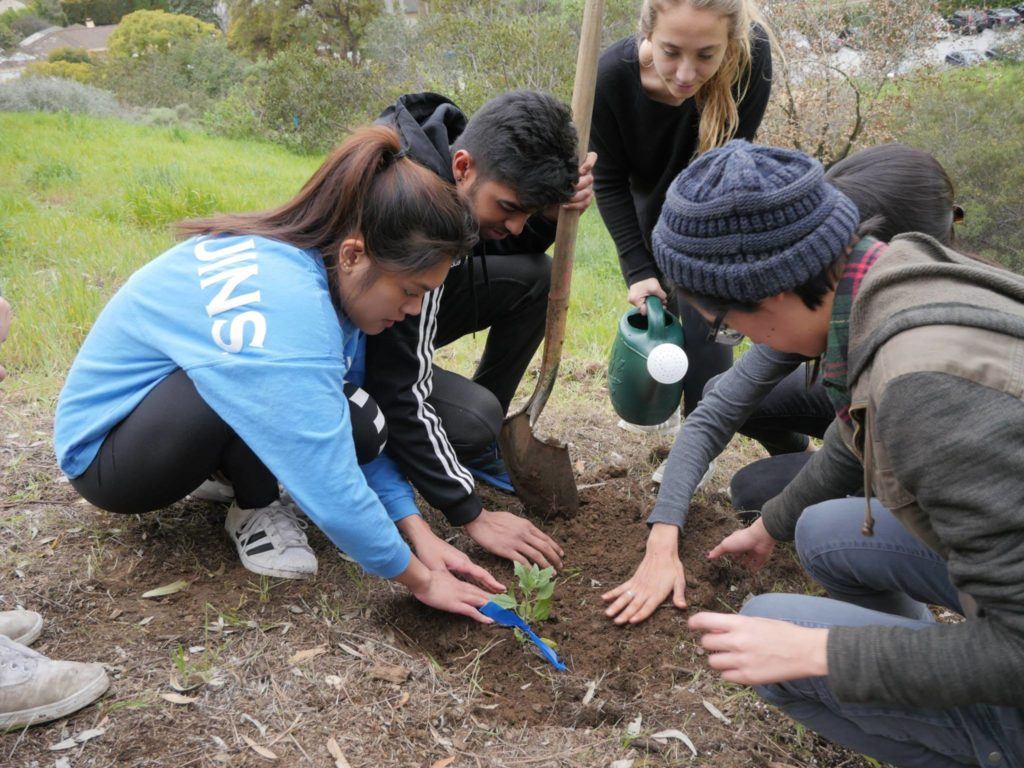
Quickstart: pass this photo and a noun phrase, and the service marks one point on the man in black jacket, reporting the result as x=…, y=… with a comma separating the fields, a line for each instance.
x=514, y=164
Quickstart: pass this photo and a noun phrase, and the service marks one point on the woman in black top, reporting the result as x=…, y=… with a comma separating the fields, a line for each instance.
x=698, y=75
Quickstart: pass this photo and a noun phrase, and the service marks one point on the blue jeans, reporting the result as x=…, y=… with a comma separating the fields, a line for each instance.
x=886, y=579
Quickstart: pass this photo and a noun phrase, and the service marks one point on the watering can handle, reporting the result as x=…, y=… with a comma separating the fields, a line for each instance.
x=655, y=319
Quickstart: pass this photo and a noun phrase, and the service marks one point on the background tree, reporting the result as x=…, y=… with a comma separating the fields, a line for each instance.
x=337, y=27
x=831, y=89
x=144, y=32
x=104, y=11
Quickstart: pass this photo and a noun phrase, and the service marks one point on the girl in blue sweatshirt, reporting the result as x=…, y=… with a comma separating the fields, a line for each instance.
x=230, y=354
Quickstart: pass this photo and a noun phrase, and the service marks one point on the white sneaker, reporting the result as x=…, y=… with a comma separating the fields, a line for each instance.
x=216, y=489
x=668, y=427
x=35, y=689
x=271, y=541
x=659, y=474
x=22, y=627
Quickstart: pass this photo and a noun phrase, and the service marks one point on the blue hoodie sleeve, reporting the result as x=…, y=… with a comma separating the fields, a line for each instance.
x=312, y=453
x=391, y=487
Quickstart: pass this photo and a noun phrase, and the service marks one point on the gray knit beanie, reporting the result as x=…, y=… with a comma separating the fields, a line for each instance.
x=746, y=222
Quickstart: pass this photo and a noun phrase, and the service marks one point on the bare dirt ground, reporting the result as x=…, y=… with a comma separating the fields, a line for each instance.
x=239, y=670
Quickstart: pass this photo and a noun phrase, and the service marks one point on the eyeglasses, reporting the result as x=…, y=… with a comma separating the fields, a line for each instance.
x=720, y=333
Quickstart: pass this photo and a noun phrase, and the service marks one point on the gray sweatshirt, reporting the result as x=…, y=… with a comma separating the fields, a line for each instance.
x=711, y=426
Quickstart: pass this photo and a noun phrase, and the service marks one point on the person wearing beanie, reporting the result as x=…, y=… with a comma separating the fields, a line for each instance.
x=922, y=353
x=896, y=189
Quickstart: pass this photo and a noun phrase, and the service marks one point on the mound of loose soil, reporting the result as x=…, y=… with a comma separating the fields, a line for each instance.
x=656, y=660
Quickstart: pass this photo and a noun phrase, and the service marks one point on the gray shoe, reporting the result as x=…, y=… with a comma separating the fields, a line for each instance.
x=35, y=689
x=21, y=626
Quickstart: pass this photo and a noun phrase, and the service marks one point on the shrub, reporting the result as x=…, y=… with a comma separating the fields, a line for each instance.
x=194, y=72
x=83, y=73
x=303, y=100
x=52, y=94
x=72, y=55
x=144, y=32
x=28, y=24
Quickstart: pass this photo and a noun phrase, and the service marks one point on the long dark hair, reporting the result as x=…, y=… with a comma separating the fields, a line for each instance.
x=410, y=219
x=897, y=189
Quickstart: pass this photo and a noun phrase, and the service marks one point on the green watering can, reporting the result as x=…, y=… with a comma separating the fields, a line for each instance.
x=647, y=365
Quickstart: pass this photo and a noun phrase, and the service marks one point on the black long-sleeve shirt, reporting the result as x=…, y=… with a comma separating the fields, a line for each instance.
x=643, y=144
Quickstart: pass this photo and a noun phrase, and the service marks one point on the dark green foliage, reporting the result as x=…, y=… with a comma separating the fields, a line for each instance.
x=106, y=11
x=204, y=10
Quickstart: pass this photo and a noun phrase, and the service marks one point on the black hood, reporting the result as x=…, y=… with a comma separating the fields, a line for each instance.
x=428, y=123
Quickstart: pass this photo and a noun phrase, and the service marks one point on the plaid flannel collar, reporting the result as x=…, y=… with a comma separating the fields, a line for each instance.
x=834, y=368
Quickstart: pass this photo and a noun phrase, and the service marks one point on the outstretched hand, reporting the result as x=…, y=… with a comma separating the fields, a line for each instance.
x=751, y=546
x=659, y=575
x=514, y=538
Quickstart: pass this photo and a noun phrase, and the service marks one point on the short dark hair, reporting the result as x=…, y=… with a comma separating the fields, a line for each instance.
x=525, y=139
x=896, y=189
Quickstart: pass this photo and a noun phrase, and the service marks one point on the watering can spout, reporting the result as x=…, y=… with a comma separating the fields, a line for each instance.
x=647, y=365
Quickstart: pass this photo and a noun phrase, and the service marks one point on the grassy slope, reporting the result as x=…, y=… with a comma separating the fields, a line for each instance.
x=84, y=202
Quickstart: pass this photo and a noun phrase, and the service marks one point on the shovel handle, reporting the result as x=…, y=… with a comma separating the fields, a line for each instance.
x=568, y=220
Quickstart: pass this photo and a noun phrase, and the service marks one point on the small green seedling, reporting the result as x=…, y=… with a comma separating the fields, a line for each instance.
x=532, y=601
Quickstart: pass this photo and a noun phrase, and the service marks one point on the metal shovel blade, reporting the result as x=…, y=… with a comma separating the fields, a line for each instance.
x=540, y=470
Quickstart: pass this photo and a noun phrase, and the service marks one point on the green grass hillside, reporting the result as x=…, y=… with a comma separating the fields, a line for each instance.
x=84, y=202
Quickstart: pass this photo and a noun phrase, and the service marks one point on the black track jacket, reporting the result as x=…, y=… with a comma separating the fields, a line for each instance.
x=399, y=360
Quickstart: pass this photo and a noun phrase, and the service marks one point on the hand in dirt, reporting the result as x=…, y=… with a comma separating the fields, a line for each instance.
x=751, y=546
x=640, y=290
x=441, y=590
x=438, y=555
x=447, y=593
x=514, y=538
x=755, y=651
x=659, y=575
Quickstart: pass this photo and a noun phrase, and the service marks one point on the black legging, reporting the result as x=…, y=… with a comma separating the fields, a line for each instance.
x=173, y=441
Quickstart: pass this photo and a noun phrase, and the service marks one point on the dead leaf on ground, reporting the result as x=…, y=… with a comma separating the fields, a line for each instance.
x=261, y=751
x=716, y=712
x=167, y=589
x=392, y=673
x=673, y=733
x=307, y=654
x=443, y=763
x=339, y=757
x=177, y=698
x=78, y=738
